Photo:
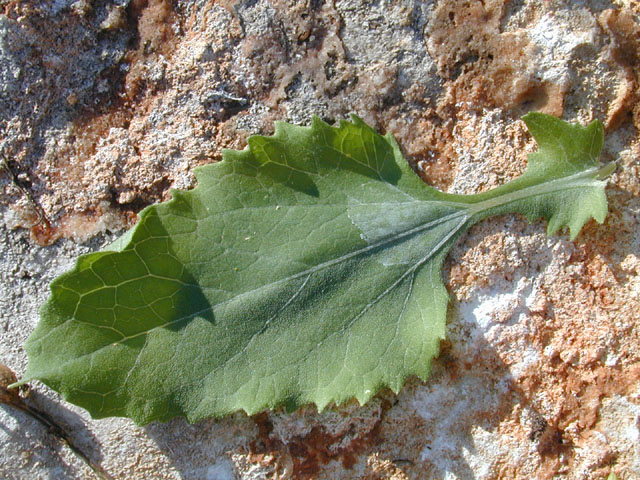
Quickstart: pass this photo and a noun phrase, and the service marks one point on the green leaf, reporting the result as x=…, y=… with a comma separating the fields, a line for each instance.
x=304, y=269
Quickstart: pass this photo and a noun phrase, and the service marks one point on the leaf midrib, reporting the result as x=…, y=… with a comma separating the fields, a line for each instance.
x=580, y=179
x=472, y=211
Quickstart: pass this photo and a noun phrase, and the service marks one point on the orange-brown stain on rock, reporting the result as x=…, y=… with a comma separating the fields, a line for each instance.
x=568, y=387
x=482, y=64
x=624, y=50
x=154, y=21
x=125, y=187
x=305, y=456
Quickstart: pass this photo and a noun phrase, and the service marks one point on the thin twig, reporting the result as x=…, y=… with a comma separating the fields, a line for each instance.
x=12, y=398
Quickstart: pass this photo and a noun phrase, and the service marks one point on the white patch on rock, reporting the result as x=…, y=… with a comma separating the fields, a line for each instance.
x=221, y=470
x=473, y=172
x=556, y=43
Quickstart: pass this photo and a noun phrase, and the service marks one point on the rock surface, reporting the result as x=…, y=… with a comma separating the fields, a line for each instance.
x=106, y=105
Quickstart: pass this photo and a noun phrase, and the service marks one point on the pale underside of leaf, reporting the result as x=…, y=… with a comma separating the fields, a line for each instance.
x=305, y=269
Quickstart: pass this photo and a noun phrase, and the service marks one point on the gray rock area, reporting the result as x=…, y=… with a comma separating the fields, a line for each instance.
x=107, y=105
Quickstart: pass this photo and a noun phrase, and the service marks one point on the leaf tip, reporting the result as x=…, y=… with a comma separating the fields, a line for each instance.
x=356, y=120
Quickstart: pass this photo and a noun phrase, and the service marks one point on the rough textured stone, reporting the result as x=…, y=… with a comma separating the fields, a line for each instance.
x=106, y=105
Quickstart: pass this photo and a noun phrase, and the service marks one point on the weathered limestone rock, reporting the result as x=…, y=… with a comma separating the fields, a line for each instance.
x=106, y=105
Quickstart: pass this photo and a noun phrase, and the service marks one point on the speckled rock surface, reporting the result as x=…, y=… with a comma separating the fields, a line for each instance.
x=105, y=105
